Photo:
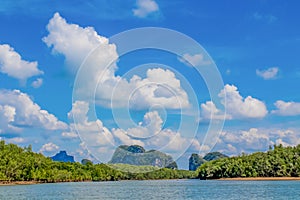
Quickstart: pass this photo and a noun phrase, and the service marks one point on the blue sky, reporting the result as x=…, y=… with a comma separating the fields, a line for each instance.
x=255, y=46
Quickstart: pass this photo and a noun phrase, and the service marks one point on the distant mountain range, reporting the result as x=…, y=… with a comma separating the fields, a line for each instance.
x=137, y=155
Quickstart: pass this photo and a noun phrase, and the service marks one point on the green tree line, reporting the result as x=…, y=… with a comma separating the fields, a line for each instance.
x=22, y=164
x=277, y=162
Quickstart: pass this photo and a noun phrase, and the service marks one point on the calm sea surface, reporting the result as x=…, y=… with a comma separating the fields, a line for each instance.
x=159, y=189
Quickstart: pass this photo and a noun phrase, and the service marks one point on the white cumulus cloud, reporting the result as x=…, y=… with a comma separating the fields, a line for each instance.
x=287, y=108
x=237, y=107
x=144, y=8
x=12, y=64
x=49, y=147
x=151, y=125
x=270, y=73
x=160, y=86
x=235, y=142
x=92, y=132
x=76, y=42
x=210, y=111
x=286, y=137
x=7, y=117
x=240, y=107
x=20, y=110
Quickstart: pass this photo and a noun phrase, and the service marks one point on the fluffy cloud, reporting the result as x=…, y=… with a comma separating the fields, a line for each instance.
x=151, y=125
x=76, y=42
x=285, y=137
x=194, y=60
x=236, y=106
x=37, y=83
x=267, y=74
x=18, y=109
x=287, y=108
x=91, y=131
x=239, y=107
x=210, y=111
x=7, y=116
x=158, y=87
x=49, y=147
x=12, y=64
x=145, y=7
x=236, y=142
x=96, y=138
x=254, y=139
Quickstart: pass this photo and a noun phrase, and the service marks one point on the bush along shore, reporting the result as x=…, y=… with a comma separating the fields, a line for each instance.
x=279, y=161
x=23, y=166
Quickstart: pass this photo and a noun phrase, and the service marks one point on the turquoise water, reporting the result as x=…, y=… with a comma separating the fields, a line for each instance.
x=156, y=190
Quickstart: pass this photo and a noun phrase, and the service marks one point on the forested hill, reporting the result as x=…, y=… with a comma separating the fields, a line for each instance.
x=137, y=155
x=21, y=164
x=277, y=162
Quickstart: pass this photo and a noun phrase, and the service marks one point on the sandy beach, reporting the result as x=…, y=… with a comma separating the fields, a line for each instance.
x=261, y=179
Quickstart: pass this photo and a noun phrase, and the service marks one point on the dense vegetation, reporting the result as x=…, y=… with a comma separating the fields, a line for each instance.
x=21, y=164
x=133, y=168
x=277, y=162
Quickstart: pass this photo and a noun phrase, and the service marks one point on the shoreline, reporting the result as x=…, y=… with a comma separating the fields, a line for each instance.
x=3, y=183
x=19, y=183
x=260, y=179
x=8, y=183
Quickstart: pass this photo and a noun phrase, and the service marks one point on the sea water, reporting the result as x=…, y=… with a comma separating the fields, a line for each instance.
x=156, y=190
